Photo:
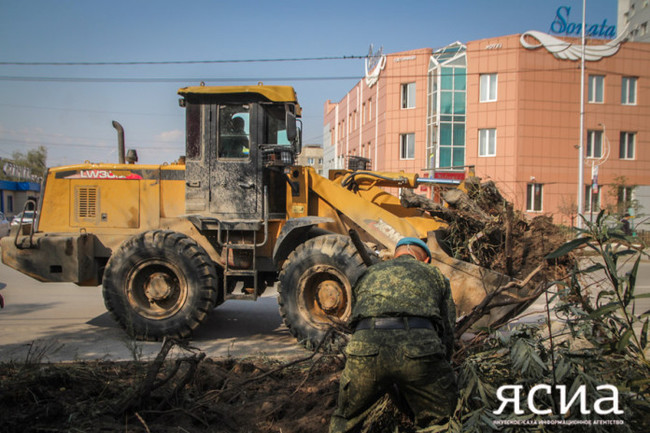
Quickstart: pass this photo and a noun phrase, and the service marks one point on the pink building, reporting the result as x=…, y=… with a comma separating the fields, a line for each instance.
x=371, y=119
x=510, y=107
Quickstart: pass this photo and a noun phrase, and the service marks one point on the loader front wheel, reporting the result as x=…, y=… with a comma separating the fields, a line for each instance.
x=160, y=284
x=316, y=286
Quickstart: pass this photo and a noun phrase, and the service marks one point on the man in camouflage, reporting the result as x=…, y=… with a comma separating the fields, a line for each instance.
x=403, y=316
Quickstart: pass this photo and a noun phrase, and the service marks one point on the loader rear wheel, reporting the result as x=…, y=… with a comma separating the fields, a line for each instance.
x=160, y=284
x=316, y=285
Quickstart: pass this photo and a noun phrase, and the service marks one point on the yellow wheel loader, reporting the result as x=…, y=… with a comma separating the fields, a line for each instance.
x=235, y=215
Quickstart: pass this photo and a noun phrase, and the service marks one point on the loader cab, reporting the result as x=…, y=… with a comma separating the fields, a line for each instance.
x=238, y=139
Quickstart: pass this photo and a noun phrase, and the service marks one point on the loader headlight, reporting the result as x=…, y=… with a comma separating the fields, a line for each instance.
x=287, y=158
x=277, y=156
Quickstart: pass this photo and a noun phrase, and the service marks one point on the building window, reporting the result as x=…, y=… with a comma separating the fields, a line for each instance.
x=624, y=198
x=446, y=108
x=628, y=90
x=626, y=149
x=592, y=199
x=594, y=144
x=310, y=161
x=534, y=197
x=408, y=95
x=488, y=87
x=407, y=146
x=452, y=145
x=597, y=88
x=487, y=142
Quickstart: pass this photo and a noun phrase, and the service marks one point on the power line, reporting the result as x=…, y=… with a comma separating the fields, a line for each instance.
x=234, y=61
x=244, y=79
x=126, y=113
x=167, y=80
x=85, y=146
x=184, y=62
x=27, y=136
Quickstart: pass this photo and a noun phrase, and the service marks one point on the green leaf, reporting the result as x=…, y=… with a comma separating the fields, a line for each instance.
x=568, y=247
x=633, y=273
x=625, y=338
x=617, y=235
x=488, y=421
x=593, y=268
x=644, y=335
x=558, y=283
x=611, y=267
x=626, y=252
x=605, y=309
x=639, y=382
x=604, y=293
x=641, y=296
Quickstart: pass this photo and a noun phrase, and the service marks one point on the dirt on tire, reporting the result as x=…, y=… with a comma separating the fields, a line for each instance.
x=180, y=275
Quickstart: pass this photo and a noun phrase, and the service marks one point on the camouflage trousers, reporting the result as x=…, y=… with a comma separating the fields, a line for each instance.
x=413, y=360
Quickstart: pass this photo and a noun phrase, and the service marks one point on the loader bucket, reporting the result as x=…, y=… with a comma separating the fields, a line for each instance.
x=470, y=284
x=381, y=216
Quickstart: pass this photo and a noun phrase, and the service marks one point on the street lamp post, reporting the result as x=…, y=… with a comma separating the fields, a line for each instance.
x=581, y=152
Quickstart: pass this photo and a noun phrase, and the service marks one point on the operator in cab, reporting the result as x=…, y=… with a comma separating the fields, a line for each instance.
x=403, y=318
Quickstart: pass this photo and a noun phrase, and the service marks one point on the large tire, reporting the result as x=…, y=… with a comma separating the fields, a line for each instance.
x=316, y=284
x=160, y=284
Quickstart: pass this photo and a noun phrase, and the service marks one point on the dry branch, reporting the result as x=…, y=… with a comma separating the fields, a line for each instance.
x=150, y=383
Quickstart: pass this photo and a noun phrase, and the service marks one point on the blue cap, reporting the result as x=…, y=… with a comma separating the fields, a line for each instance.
x=414, y=241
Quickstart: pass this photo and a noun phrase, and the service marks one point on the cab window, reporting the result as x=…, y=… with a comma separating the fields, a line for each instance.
x=234, y=131
x=275, y=129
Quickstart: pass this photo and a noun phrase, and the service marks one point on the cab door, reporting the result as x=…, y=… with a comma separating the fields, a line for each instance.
x=235, y=172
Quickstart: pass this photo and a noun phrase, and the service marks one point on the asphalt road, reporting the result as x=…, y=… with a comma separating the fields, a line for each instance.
x=63, y=322
x=53, y=322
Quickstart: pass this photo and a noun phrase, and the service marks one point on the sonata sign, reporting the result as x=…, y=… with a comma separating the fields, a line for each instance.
x=562, y=26
x=375, y=63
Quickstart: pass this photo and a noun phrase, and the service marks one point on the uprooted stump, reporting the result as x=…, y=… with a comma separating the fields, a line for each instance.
x=483, y=229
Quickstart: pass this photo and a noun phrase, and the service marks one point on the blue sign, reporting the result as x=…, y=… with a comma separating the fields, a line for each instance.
x=562, y=25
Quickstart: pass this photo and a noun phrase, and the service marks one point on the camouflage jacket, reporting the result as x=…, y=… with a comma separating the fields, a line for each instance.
x=406, y=287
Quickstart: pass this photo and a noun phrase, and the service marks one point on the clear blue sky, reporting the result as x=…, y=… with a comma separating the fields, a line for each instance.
x=73, y=118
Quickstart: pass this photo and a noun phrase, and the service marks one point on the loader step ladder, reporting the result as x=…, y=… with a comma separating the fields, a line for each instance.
x=248, y=230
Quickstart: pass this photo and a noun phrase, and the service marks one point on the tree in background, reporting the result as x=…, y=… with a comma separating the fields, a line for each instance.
x=621, y=197
x=34, y=160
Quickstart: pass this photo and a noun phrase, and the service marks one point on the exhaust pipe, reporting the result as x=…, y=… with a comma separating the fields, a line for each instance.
x=120, y=141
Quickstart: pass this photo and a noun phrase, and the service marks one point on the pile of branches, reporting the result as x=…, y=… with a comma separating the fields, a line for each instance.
x=483, y=228
x=179, y=391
